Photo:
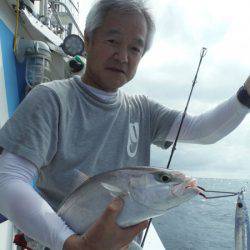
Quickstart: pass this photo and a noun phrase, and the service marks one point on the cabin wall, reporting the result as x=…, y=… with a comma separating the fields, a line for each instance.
x=3, y=98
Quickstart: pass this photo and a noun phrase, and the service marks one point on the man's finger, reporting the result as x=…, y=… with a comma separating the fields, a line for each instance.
x=113, y=209
x=136, y=229
x=125, y=247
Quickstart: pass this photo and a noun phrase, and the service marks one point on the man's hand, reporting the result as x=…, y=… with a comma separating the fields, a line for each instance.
x=247, y=85
x=105, y=234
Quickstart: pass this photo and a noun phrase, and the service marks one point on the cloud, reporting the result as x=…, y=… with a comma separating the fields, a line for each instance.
x=228, y=158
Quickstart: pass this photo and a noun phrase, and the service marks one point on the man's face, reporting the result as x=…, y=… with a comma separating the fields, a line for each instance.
x=115, y=50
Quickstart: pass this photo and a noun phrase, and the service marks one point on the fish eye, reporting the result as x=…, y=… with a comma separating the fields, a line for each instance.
x=164, y=178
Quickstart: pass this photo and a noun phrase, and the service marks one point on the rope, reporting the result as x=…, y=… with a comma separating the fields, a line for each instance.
x=17, y=24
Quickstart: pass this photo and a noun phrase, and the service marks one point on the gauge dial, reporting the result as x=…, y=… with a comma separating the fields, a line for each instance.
x=73, y=45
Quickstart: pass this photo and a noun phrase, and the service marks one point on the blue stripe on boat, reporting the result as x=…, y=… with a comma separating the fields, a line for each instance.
x=14, y=72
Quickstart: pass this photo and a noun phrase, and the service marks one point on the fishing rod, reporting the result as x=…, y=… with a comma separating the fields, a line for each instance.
x=202, y=55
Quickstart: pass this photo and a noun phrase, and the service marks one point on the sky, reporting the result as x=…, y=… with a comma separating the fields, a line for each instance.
x=166, y=72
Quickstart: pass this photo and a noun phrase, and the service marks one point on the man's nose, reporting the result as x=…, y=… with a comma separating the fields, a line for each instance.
x=121, y=55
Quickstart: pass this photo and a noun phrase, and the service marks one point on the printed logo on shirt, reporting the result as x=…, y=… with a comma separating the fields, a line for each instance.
x=133, y=139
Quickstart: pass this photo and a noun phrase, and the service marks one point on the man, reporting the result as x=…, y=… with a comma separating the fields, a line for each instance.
x=65, y=130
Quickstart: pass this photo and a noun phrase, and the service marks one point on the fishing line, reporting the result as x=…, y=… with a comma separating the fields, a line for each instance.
x=226, y=193
x=202, y=55
x=218, y=196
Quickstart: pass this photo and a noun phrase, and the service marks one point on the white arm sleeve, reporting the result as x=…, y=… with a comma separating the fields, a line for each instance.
x=22, y=205
x=210, y=126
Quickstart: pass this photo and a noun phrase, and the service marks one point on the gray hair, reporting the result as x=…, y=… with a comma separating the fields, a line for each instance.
x=100, y=9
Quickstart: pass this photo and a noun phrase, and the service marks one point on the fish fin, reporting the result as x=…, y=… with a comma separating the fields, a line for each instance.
x=114, y=191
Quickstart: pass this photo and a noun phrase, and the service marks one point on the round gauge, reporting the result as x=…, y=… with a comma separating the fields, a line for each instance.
x=73, y=45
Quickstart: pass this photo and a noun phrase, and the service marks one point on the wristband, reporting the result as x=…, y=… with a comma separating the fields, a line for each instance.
x=243, y=97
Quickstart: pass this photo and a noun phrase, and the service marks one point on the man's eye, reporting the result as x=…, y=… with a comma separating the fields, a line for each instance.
x=135, y=49
x=112, y=41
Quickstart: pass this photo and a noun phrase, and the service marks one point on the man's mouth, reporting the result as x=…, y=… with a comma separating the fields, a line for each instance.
x=116, y=70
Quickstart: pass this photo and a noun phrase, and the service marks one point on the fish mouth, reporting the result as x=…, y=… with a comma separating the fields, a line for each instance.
x=190, y=184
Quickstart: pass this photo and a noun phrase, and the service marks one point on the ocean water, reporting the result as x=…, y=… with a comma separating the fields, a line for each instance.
x=202, y=224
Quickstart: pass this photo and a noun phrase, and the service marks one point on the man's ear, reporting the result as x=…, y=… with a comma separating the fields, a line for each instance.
x=86, y=42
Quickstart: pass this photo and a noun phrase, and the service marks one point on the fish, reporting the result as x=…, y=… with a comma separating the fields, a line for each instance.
x=242, y=236
x=147, y=192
